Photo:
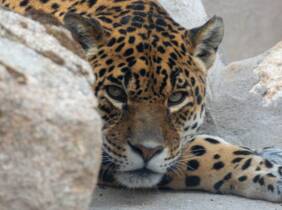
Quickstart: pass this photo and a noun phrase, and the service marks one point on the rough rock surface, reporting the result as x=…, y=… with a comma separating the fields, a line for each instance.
x=49, y=131
x=245, y=101
x=116, y=199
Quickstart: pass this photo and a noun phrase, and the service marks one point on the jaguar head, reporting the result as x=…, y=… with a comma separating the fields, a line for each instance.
x=151, y=85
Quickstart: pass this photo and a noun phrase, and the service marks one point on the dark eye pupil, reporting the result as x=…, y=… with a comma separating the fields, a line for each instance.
x=176, y=98
x=116, y=93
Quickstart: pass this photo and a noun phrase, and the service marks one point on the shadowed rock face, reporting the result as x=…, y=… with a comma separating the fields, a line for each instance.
x=49, y=131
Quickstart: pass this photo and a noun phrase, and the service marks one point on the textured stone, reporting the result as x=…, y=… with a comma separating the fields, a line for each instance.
x=49, y=130
x=270, y=77
x=245, y=101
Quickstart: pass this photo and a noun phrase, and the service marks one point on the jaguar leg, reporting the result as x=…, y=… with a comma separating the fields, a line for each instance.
x=211, y=164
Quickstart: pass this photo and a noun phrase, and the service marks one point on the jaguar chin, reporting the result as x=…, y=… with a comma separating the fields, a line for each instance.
x=141, y=178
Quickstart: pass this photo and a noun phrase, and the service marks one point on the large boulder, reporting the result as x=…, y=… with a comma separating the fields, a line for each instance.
x=245, y=101
x=49, y=130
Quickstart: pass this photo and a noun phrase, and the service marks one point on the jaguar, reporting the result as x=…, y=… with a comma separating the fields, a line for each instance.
x=151, y=80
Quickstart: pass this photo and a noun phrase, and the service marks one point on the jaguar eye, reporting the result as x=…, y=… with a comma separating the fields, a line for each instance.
x=116, y=93
x=176, y=98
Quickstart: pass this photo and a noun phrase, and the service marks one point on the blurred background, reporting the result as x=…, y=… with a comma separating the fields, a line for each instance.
x=251, y=26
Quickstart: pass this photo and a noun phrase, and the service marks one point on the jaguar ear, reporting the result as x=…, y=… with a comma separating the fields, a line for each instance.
x=206, y=39
x=88, y=32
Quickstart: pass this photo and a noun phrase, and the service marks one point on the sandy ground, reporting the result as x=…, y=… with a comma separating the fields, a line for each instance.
x=117, y=199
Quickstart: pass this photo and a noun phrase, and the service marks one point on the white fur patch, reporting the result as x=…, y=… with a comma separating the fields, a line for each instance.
x=132, y=180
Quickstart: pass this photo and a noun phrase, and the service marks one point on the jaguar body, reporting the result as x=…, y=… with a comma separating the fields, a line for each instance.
x=151, y=86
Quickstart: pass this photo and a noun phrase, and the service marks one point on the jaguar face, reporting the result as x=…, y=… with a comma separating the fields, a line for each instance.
x=148, y=120
x=150, y=84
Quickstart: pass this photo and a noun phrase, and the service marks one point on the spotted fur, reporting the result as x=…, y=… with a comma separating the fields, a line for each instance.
x=151, y=84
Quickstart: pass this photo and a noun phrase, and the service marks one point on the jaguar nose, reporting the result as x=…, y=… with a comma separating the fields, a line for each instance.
x=145, y=152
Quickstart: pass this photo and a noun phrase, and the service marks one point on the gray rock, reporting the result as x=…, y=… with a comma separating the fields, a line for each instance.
x=49, y=130
x=245, y=101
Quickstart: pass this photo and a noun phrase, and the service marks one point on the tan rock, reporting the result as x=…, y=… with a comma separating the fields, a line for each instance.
x=49, y=130
x=270, y=74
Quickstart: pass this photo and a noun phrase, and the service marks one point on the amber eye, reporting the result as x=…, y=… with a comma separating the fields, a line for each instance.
x=176, y=98
x=116, y=93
